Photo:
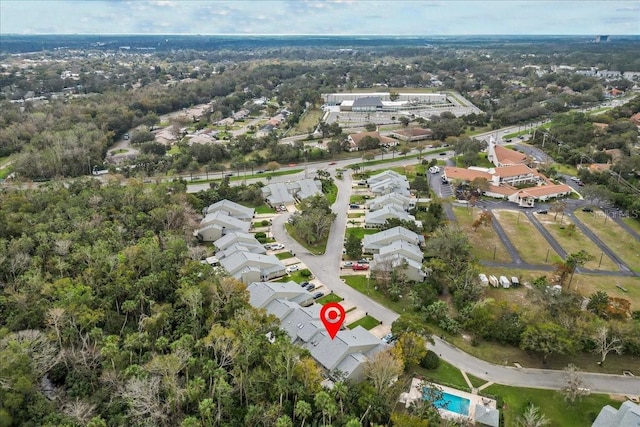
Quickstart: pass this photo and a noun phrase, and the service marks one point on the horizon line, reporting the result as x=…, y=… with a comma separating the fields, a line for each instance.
x=313, y=34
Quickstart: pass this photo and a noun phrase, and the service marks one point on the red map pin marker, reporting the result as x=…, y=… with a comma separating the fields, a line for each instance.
x=332, y=315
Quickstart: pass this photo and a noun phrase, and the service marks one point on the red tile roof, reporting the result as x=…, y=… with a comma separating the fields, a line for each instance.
x=465, y=174
x=506, y=156
x=544, y=190
x=513, y=170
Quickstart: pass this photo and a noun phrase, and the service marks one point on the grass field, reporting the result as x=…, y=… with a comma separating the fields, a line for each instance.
x=551, y=403
x=573, y=242
x=531, y=245
x=485, y=241
x=445, y=374
x=309, y=121
x=367, y=322
x=615, y=237
x=329, y=298
x=284, y=255
x=633, y=223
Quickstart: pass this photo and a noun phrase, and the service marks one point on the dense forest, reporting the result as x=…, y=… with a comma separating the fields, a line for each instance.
x=109, y=318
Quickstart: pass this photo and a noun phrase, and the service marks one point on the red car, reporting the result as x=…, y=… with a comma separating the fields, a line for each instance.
x=332, y=163
x=358, y=266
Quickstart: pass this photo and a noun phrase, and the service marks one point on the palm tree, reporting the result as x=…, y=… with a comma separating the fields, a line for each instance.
x=532, y=418
x=303, y=410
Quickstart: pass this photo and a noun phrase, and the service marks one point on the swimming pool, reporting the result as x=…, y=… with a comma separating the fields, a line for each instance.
x=453, y=403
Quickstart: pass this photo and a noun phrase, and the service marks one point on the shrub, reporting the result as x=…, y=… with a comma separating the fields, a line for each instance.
x=260, y=235
x=265, y=222
x=305, y=273
x=261, y=239
x=430, y=360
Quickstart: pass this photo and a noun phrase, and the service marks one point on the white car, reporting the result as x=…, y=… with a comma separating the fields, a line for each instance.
x=277, y=246
x=292, y=268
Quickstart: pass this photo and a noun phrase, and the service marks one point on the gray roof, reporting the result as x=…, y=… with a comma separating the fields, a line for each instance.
x=385, y=175
x=487, y=416
x=390, y=198
x=627, y=416
x=222, y=219
x=381, y=215
x=378, y=240
x=308, y=188
x=369, y=101
x=231, y=208
x=262, y=293
x=235, y=238
x=277, y=193
x=330, y=352
x=235, y=263
x=407, y=250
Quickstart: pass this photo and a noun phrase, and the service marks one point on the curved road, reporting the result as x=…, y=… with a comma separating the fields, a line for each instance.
x=326, y=268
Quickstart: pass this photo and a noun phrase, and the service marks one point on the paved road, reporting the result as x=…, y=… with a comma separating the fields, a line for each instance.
x=326, y=267
x=604, y=248
x=529, y=377
x=513, y=252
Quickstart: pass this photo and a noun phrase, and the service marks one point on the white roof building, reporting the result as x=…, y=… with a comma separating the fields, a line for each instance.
x=372, y=243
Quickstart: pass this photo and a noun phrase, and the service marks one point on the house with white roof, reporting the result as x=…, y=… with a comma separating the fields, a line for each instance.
x=236, y=238
x=627, y=416
x=344, y=355
x=217, y=224
x=372, y=243
x=398, y=200
x=376, y=219
x=232, y=209
x=249, y=267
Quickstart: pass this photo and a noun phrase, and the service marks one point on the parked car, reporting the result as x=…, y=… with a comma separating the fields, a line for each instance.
x=260, y=171
x=360, y=266
x=318, y=295
x=363, y=261
x=228, y=175
x=310, y=287
x=277, y=246
x=347, y=264
x=542, y=212
x=587, y=209
x=292, y=268
x=354, y=206
x=303, y=284
x=332, y=163
x=389, y=338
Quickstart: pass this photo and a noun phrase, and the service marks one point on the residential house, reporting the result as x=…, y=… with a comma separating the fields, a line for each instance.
x=400, y=256
x=249, y=267
x=236, y=241
x=398, y=200
x=215, y=225
x=635, y=119
x=376, y=219
x=412, y=134
x=345, y=354
x=627, y=416
x=353, y=139
x=389, y=182
x=486, y=416
x=261, y=294
x=279, y=193
x=232, y=209
x=372, y=243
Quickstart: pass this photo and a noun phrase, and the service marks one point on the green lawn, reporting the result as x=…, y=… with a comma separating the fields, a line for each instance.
x=360, y=232
x=368, y=322
x=615, y=237
x=355, y=215
x=329, y=298
x=284, y=255
x=264, y=209
x=531, y=245
x=574, y=241
x=357, y=199
x=309, y=121
x=446, y=374
x=551, y=404
x=484, y=240
x=566, y=169
x=332, y=195
x=296, y=276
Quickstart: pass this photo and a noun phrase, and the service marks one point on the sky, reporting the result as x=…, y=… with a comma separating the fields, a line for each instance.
x=326, y=17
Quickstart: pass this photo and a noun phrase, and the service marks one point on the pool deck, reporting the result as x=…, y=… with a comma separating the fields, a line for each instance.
x=415, y=393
